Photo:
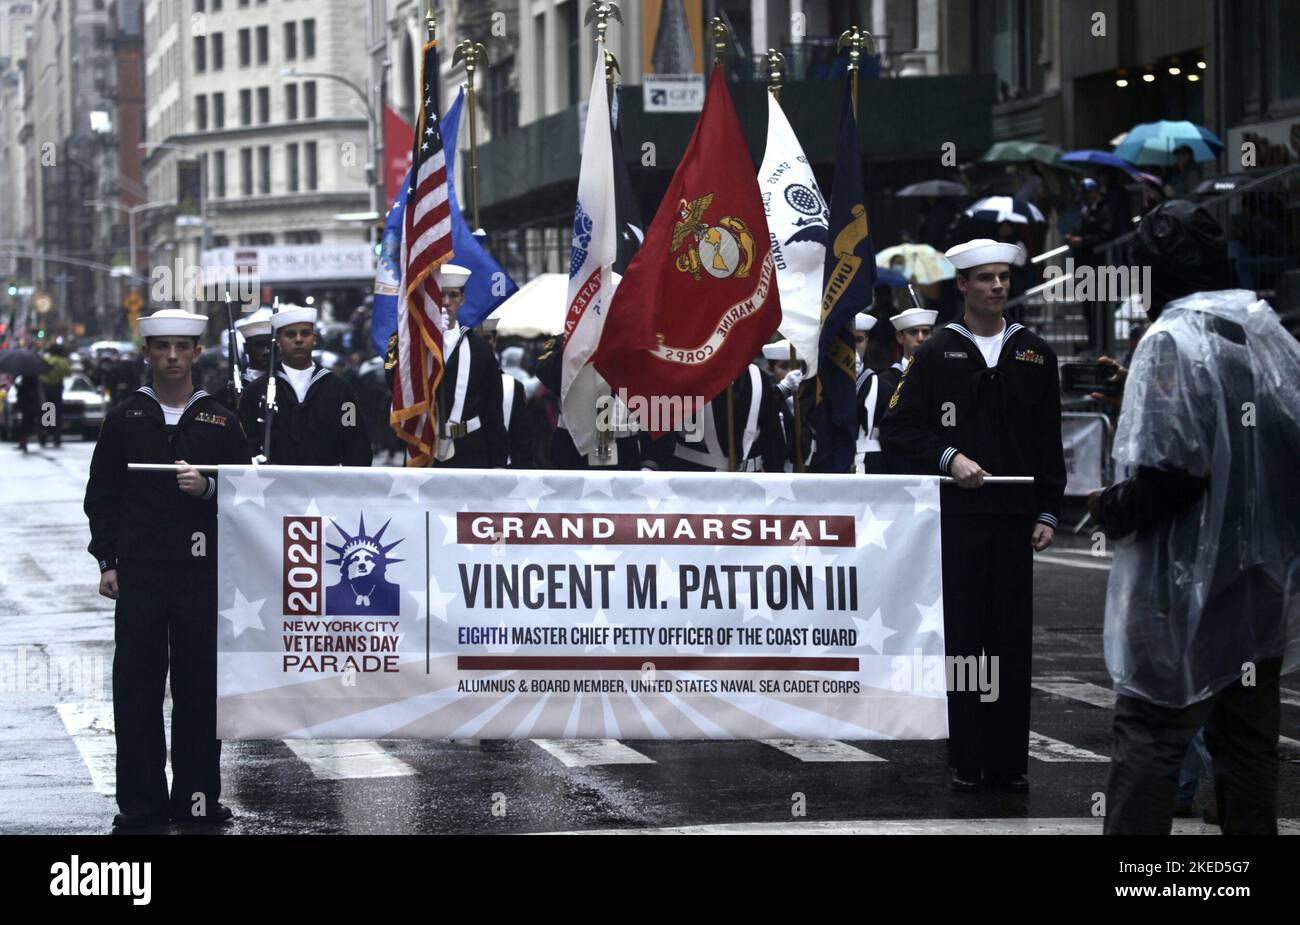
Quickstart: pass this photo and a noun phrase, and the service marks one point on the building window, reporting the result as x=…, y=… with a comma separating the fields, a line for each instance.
x=290, y=41
x=219, y=174
x=216, y=6
x=291, y=166
x=263, y=105
x=290, y=102
x=309, y=236
x=245, y=48
x=198, y=6
x=309, y=164
x=309, y=99
x=218, y=110
x=264, y=169
x=263, y=44
x=309, y=38
x=245, y=107
x=200, y=55
x=201, y=112
x=246, y=170
x=218, y=52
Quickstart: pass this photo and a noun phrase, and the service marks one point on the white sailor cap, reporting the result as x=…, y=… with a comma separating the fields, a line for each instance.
x=863, y=322
x=981, y=251
x=777, y=351
x=294, y=314
x=256, y=324
x=489, y=325
x=451, y=276
x=173, y=322
x=914, y=318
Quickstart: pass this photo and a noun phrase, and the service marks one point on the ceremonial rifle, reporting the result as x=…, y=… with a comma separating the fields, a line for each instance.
x=268, y=403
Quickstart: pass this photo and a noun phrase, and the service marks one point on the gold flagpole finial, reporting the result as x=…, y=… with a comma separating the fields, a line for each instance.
x=856, y=40
x=611, y=67
x=600, y=13
x=472, y=53
x=431, y=24
x=774, y=64
x=720, y=32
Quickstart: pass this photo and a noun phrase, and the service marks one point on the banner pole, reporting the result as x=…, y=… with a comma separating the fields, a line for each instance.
x=719, y=31
x=471, y=53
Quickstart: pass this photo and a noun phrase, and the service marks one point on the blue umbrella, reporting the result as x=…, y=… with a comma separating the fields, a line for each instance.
x=1154, y=142
x=1099, y=159
x=886, y=277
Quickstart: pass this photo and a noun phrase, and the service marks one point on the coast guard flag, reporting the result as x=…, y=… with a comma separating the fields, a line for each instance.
x=489, y=285
x=388, y=273
x=595, y=248
x=699, y=299
x=798, y=218
x=847, y=288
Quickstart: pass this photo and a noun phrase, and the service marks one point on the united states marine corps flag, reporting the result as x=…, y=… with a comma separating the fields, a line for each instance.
x=426, y=245
x=850, y=276
x=700, y=299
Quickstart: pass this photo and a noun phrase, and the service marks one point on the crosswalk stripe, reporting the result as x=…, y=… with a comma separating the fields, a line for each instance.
x=347, y=759
x=91, y=728
x=820, y=750
x=1082, y=691
x=1047, y=749
x=1028, y=826
x=585, y=753
x=1290, y=697
x=1073, y=563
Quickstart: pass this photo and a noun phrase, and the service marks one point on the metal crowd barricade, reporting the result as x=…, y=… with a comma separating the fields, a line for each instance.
x=1107, y=465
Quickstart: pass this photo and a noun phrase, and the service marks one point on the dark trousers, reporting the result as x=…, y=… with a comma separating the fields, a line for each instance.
x=1241, y=729
x=54, y=395
x=166, y=614
x=988, y=609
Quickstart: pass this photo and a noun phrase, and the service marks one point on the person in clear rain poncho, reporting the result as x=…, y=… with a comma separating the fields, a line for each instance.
x=1203, y=605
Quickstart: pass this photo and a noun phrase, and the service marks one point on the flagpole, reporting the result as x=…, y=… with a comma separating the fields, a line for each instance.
x=775, y=62
x=719, y=30
x=471, y=53
x=855, y=39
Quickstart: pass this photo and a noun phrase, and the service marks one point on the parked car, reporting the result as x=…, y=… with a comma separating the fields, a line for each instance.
x=83, y=409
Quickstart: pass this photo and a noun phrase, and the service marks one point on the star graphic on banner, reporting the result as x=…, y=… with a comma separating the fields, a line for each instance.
x=448, y=522
x=597, y=555
x=598, y=485
x=249, y=486
x=931, y=617
x=666, y=582
x=437, y=599
x=408, y=482
x=751, y=612
x=245, y=614
x=873, y=632
x=530, y=489
x=313, y=510
x=599, y=620
x=814, y=557
x=654, y=490
x=925, y=496
x=777, y=489
x=871, y=532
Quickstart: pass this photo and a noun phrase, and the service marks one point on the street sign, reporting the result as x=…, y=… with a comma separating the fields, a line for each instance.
x=133, y=301
x=42, y=302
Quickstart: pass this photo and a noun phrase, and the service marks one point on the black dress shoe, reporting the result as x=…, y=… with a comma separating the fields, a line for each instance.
x=965, y=781
x=126, y=822
x=220, y=814
x=1016, y=783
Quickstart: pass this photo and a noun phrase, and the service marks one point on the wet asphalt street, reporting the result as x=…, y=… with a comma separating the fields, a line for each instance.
x=56, y=731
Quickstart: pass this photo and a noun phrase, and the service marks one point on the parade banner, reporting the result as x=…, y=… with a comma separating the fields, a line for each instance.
x=1084, y=440
x=367, y=603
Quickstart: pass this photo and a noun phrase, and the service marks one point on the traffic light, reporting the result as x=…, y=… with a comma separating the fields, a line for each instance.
x=13, y=290
x=40, y=335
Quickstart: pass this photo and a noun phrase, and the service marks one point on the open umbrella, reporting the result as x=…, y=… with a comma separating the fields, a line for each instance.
x=22, y=363
x=934, y=189
x=1013, y=151
x=999, y=209
x=922, y=263
x=1099, y=159
x=1154, y=142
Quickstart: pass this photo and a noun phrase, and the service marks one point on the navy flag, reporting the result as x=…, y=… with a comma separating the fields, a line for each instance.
x=847, y=283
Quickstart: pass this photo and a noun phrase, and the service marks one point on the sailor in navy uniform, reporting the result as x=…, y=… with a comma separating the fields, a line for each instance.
x=471, y=425
x=982, y=397
x=619, y=440
x=864, y=442
x=911, y=328
x=317, y=417
x=154, y=535
x=255, y=328
x=701, y=445
x=785, y=384
x=514, y=398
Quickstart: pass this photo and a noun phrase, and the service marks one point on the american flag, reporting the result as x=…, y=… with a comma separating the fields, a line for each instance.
x=426, y=245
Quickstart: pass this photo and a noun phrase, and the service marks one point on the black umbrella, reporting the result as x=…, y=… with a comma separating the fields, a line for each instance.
x=934, y=189
x=22, y=363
